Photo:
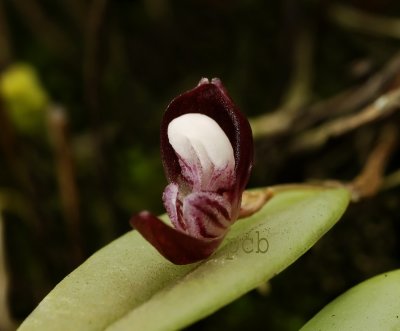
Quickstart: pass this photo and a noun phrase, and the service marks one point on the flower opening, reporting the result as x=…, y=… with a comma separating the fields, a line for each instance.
x=207, y=150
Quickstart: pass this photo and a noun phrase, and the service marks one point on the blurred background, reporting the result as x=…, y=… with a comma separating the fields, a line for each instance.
x=83, y=86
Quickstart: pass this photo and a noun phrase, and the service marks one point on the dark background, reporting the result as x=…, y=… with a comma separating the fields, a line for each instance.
x=113, y=66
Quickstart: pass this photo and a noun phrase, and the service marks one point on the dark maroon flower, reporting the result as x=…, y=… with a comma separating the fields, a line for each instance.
x=207, y=152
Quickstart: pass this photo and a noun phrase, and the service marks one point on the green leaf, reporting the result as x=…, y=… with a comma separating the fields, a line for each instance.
x=372, y=305
x=127, y=285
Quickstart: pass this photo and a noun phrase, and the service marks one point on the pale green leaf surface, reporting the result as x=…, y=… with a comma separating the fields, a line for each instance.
x=370, y=306
x=127, y=285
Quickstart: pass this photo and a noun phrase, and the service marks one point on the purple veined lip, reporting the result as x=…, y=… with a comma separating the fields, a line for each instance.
x=207, y=154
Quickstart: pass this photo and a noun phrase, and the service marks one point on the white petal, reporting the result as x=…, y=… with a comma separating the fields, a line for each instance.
x=200, y=133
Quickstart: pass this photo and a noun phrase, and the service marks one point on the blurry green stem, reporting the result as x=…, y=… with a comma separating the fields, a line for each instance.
x=354, y=98
x=370, y=179
x=384, y=106
x=9, y=148
x=92, y=73
x=358, y=20
x=286, y=120
x=298, y=92
x=59, y=133
x=392, y=180
x=77, y=11
x=38, y=225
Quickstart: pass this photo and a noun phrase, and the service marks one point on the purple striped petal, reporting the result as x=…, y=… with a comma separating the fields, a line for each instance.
x=206, y=214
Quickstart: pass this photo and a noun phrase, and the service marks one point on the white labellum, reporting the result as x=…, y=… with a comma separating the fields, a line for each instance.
x=205, y=151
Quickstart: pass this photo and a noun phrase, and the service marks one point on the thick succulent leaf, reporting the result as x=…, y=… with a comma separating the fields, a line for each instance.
x=128, y=285
x=372, y=305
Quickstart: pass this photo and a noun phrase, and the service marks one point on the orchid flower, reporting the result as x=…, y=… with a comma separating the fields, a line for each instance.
x=207, y=153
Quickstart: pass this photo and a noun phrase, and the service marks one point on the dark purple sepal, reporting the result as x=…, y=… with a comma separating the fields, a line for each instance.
x=211, y=99
x=174, y=245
